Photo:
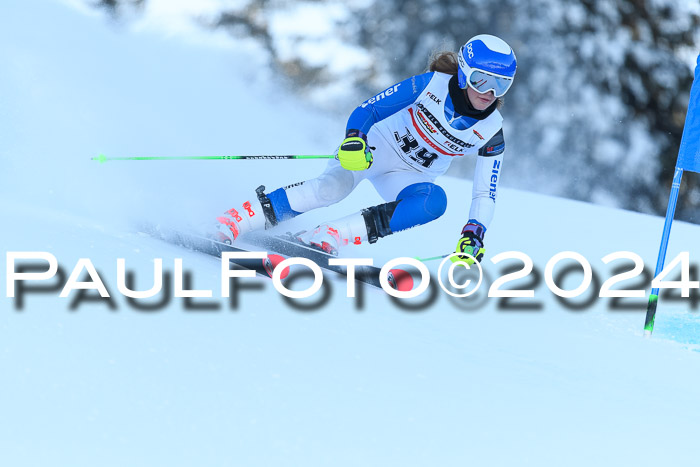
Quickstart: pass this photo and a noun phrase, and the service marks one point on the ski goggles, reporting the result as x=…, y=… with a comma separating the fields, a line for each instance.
x=483, y=82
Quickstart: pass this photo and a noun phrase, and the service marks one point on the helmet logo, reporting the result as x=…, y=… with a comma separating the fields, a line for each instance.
x=469, y=50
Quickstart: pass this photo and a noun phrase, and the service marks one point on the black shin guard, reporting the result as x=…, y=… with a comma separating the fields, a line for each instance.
x=268, y=211
x=377, y=219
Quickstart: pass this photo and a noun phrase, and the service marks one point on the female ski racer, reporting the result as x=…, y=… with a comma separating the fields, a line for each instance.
x=401, y=140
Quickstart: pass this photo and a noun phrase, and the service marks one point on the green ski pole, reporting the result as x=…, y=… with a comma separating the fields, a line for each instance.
x=102, y=158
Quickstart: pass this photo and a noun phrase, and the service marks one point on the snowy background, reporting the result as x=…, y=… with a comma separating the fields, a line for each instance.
x=454, y=383
x=597, y=112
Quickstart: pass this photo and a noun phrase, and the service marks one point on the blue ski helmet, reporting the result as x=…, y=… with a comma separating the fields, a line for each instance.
x=486, y=63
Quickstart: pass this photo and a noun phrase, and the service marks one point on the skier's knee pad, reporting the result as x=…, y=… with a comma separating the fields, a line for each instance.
x=333, y=186
x=419, y=204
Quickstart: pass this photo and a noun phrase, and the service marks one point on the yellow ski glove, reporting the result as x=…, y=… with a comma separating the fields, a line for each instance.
x=472, y=243
x=354, y=154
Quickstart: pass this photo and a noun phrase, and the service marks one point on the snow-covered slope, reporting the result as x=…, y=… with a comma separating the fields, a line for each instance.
x=258, y=381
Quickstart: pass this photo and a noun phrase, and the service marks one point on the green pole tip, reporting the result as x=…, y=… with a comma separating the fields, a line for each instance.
x=100, y=158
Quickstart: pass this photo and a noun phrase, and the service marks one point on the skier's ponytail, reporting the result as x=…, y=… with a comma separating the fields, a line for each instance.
x=443, y=62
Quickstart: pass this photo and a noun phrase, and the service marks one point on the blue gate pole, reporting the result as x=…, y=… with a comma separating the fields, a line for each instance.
x=670, y=212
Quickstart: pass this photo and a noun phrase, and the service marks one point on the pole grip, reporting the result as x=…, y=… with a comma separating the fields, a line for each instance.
x=651, y=315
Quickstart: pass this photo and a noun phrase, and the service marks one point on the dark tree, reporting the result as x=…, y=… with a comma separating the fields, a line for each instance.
x=115, y=8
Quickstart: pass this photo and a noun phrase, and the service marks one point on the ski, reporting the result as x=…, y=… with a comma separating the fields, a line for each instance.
x=277, y=247
x=287, y=245
x=201, y=244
